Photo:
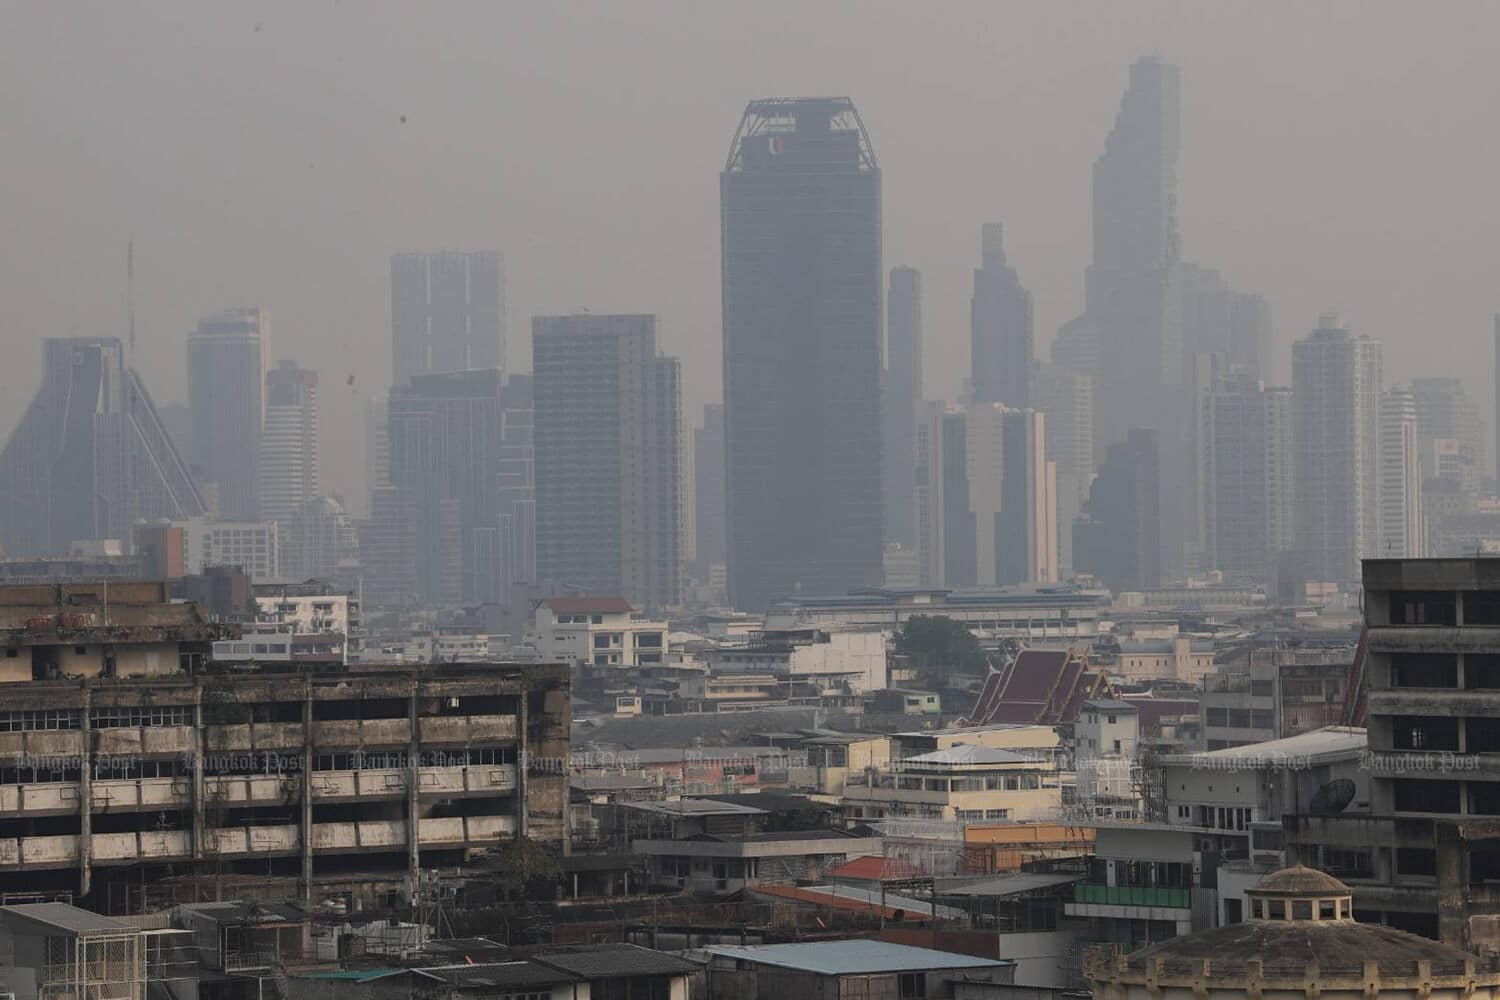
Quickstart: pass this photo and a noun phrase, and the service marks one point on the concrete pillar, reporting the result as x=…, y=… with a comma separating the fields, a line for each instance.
x=1451, y=884
x=523, y=751
x=307, y=789
x=195, y=764
x=413, y=779
x=86, y=796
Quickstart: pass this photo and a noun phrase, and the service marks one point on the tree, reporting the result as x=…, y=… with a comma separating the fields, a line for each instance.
x=940, y=643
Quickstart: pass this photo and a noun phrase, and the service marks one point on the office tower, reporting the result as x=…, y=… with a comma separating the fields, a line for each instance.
x=1127, y=285
x=1216, y=320
x=1497, y=394
x=1118, y=536
x=89, y=456
x=930, y=501
x=289, y=441
x=1248, y=467
x=1336, y=403
x=1281, y=479
x=177, y=418
x=447, y=313
x=1067, y=398
x=318, y=541
x=1000, y=331
x=517, y=488
x=960, y=531
x=1400, y=476
x=445, y=445
x=1446, y=413
x=1011, y=487
x=377, y=457
x=801, y=232
x=224, y=393
x=900, y=398
x=608, y=416
x=708, y=495
x=388, y=549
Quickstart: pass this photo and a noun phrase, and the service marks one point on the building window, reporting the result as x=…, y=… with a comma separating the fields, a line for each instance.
x=1424, y=607
x=598, y=619
x=912, y=986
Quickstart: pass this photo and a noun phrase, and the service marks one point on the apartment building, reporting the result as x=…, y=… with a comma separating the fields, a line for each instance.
x=602, y=631
x=125, y=756
x=963, y=783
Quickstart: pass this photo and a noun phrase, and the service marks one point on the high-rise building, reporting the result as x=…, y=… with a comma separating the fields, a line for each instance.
x=1401, y=533
x=1336, y=387
x=608, y=419
x=1281, y=472
x=517, y=488
x=1248, y=463
x=960, y=531
x=1000, y=328
x=89, y=457
x=801, y=254
x=930, y=504
x=1011, y=488
x=1118, y=536
x=1067, y=398
x=318, y=541
x=289, y=442
x=900, y=397
x=447, y=313
x=708, y=495
x=224, y=393
x=1218, y=321
x=445, y=448
x=1497, y=394
x=1136, y=250
x=1446, y=413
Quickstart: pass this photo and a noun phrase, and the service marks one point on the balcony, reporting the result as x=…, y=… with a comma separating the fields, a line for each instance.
x=362, y=732
x=123, y=848
x=255, y=736
x=140, y=740
x=1132, y=895
x=452, y=782
x=129, y=795
x=42, y=798
x=251, y=789
x=43, y=743
x=374, y=835
x=377, y=783
x=466, y=728
x=250, y=841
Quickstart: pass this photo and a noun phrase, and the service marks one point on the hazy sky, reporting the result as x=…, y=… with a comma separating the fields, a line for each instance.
x=1340, y=155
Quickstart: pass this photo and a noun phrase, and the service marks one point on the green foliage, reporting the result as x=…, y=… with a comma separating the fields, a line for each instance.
x=521, y=862
x=939, y=643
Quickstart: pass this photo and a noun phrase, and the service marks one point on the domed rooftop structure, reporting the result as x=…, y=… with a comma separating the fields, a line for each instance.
x=1301, y=933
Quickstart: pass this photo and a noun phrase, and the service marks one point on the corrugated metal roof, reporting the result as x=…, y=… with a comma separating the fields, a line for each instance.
x=609, y=961
x=844, y=958
x=1000, y=886
x=970, y=755
x=65, y=917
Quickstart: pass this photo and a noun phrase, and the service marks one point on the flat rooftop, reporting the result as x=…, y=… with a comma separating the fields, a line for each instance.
x=851, y=958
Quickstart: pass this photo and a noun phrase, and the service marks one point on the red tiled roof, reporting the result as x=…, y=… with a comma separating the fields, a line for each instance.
x=587, y=605
x=875, y=868
x=1040, y=687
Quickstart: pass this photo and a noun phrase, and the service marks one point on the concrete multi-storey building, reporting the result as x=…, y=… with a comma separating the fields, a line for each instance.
x=90, y=456
x=1067, y=399
x=602, y=631
x=447, y=313
x=1248, y=466
x=289, y=441
x=963, y=783
x=607, y=440
x=1118, y=536
x=1012, y=495
x=708, y=491
x=1271, y=694
x=801, y=257
x=1401, y=526
x=224, y=393
x=254, y=546
x=1336, y=389
x=126, y=758
x=900, y=399
x=1000, y=327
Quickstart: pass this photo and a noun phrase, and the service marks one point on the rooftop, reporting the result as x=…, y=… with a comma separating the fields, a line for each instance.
x=587, y=605
x=695, y=807
x=1109, y=705
x=970, y=756
x=64, y=917
x=1331, y=743
x=615, y=960
x=846, y=958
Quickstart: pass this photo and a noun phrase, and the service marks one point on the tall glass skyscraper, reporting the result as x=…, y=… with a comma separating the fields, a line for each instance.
x=801, y=256
x=447, y=313
x=225, y=395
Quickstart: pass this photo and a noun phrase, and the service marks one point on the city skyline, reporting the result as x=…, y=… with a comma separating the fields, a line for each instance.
x=1310, y=233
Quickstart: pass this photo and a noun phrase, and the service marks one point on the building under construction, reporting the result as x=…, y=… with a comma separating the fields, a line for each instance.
x=128, y=761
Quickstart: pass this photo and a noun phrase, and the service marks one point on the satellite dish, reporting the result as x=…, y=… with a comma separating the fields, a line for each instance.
x=1332, y=798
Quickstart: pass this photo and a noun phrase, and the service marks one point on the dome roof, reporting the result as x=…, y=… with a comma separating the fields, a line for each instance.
x=1286, y=948
x=1301, y=881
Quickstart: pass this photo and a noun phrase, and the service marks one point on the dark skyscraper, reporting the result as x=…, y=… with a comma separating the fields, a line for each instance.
x=1135, y=253
x=224, y=393
x=608, y=419
x=517, y=485
x=89, y=457
x=960, y=531
x=1118, y=538
x=447, y=313
x=1000, y=327
x=708, y=491
x=901, y=396
x=445, y=450
x=801, y=256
